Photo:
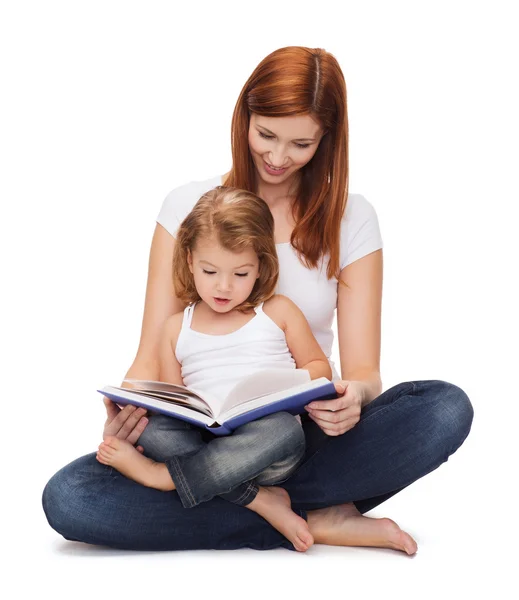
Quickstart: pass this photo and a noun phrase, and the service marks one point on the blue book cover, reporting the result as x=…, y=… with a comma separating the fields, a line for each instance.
x=255, y=397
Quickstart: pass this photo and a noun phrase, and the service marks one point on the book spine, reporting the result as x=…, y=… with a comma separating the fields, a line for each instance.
x=219, y=430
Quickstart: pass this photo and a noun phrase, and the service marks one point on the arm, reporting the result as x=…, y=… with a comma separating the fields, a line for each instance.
x=359, y=307
x=170, y=369
x=359, y=304
x=160, y=303
x=300, y=340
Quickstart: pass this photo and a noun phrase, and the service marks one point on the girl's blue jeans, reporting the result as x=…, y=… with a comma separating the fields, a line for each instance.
x=263, y=452
x=405, y=433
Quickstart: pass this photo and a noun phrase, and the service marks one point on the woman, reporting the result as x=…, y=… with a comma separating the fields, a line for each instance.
x=290, y=146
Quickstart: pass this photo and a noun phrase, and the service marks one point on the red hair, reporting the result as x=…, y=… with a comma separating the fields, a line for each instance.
x=299, y=81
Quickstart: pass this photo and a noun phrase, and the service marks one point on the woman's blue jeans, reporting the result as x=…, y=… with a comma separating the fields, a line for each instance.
x=405, y=433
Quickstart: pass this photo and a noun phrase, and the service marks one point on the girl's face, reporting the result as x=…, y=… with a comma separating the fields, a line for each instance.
x=280, y=146
x=223, y=279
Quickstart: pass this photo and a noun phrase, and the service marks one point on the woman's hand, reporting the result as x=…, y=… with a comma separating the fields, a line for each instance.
x=335, y=417
x=126, y=424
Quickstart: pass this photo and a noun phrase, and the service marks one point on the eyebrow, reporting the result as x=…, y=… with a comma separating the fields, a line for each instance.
x=296, y=140
x=206, y=262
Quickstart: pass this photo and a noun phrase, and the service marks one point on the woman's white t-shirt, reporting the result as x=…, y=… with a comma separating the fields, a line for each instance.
x=310, y=289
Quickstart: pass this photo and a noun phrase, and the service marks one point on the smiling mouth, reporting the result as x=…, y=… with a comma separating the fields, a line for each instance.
x=275, y=168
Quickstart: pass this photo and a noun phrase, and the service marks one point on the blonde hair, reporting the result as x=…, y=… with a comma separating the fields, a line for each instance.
x=239, y=220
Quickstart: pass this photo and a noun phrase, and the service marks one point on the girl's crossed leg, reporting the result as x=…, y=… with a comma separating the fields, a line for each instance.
x=237, y=468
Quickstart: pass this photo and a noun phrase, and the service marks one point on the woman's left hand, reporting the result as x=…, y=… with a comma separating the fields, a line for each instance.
x=335, y=417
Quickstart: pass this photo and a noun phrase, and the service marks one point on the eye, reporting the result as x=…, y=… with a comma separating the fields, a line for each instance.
x=208, y=272
x=265, y=136
x=241, y=274
x=301, y=145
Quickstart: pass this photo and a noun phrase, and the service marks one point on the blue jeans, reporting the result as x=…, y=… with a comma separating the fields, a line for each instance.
x=405, y=433
x=262, y=452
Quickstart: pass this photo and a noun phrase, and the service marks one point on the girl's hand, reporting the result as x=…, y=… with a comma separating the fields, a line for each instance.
x=126, y=424
x=335, y=417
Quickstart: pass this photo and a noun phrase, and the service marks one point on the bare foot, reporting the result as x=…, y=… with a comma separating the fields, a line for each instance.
x=343, y=525
x=129, y=461
x=273, y=504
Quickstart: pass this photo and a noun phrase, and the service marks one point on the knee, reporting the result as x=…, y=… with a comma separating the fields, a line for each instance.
x=57, y=500
x=151, y=432
x=158, y=424
x=452, y=412
x=166, y=436
x=68, y=496
x=286, y=427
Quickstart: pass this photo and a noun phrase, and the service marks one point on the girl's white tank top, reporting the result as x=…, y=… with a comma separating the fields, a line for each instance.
x=215, y=363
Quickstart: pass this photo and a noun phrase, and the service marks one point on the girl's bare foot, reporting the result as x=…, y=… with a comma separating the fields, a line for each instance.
x=343, y=525
x=273, y=504
x=129, y=461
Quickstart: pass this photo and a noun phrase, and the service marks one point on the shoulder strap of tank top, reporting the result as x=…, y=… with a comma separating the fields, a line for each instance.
x=188, y=316
x=258, y=309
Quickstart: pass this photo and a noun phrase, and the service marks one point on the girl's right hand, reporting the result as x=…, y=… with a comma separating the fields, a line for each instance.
x=126, y=424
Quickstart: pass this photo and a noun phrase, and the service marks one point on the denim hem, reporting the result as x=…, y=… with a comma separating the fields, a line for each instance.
x=251, y=491
x=181, y=485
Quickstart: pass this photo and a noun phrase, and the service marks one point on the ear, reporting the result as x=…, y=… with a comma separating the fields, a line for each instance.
x=190, y=260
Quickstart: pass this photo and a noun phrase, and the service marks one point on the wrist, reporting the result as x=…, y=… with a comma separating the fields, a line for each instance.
x=371, y=390
x=368, y=385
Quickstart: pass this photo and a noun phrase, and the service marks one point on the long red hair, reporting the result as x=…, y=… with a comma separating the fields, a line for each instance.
x=297, y=81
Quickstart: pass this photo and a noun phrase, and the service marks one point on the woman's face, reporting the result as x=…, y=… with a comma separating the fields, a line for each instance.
x=280, y=146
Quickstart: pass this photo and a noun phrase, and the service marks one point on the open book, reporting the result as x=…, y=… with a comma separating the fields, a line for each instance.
x=254, y=396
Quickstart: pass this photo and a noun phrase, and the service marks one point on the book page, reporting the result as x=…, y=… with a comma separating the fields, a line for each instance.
x=170, y=391
x=157, y=386
x=263, y=383
x=267, y=399
x=127, y=396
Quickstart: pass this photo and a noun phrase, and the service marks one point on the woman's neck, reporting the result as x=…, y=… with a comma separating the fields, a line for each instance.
x=274, y=194
x=279, y=194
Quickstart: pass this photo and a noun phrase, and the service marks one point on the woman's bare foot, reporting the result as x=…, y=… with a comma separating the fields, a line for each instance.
x=343, y=525
x=129, y=461
x=273, y=504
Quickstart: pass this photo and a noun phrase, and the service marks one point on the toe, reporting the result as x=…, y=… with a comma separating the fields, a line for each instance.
x=306, y=537
x=303, y=540
x=410, y=545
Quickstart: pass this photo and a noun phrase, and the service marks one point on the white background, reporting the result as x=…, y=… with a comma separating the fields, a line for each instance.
x=105, y=107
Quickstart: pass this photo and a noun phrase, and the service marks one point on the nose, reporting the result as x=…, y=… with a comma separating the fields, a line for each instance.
x=224, y=283
x=276, y=157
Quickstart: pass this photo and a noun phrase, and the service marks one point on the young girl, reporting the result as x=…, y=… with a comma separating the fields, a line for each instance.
x=226, y=270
